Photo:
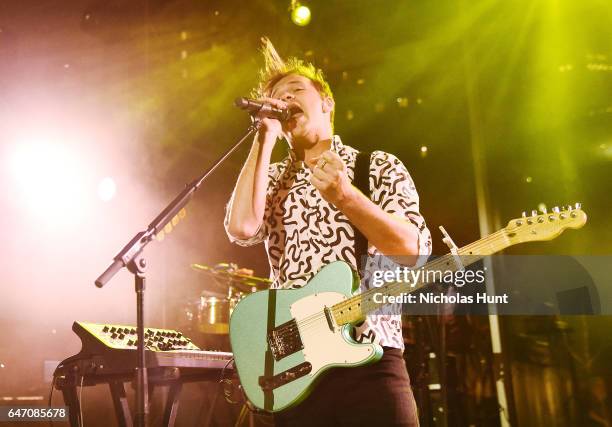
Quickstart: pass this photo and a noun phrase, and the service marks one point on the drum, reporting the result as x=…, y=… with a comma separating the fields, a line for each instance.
x=210, y=314
x=213, y=314
x=227, y=284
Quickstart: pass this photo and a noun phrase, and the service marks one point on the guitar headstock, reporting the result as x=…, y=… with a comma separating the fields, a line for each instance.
x=546, y=225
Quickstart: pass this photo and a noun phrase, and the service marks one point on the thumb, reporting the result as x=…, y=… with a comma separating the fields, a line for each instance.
x=313, y=161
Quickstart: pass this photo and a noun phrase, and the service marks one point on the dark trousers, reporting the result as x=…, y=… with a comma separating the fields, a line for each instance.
x=374, y=395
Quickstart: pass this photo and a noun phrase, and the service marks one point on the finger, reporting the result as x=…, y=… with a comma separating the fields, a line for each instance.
x=313, y=162
x=278, y=103
x=321, y=163
x=332, y=167
x=328, y=155
x=320, y=174
x=332, y=170
x=319, y=184
x=333, y=158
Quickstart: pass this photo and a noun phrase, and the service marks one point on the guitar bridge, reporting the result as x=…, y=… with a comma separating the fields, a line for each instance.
x=270, y=383
x=285, y=340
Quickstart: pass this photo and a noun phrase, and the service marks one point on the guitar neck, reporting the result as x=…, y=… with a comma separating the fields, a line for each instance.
x=355, y=309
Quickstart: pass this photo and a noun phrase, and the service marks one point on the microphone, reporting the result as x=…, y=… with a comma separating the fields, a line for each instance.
x=255, y=107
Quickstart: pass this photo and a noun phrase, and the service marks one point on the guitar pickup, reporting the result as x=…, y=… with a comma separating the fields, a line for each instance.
x=270, y=383
x=285, y=340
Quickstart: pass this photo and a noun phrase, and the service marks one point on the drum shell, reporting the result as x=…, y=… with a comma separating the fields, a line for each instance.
x=213, y=314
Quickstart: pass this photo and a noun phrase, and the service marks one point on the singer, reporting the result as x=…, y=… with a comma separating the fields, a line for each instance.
x=309, y=211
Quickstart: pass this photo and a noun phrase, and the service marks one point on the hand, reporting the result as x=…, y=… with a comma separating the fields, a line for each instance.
x=270, y=129
x=330, y=178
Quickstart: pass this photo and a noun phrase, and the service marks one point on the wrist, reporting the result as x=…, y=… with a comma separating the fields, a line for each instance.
x=263, y=145
x=267, y=138
x=349, y=199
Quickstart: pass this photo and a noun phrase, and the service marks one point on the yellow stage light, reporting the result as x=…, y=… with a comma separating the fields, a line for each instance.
x=300, y=14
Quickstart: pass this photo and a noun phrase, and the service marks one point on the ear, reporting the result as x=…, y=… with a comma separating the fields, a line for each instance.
x=328, y=104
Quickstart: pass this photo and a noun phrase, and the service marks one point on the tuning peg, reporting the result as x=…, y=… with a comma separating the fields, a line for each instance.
x=570, y=207
x=556, y=209
x=534, y=213
x=544, y=210
x=524, y=214
x=563, y=208
x=578, y=205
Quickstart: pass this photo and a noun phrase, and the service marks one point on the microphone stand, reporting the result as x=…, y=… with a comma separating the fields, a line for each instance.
x=131, y=256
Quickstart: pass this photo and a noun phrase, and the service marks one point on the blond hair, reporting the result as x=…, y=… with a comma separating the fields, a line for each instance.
x=276, y=68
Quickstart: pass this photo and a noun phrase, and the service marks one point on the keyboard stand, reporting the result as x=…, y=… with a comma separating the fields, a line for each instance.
x=172, y=377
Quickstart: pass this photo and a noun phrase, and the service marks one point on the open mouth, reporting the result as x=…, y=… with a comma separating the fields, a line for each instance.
x=295, y=111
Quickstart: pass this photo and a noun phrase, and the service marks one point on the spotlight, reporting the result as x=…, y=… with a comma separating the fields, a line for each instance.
x=300, y=14
x=107, y=189
x=50, y=180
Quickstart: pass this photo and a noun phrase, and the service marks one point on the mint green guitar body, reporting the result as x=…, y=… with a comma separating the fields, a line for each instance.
x=276, y=377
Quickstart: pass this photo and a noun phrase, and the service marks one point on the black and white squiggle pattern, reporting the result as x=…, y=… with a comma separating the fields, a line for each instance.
x=303, y=232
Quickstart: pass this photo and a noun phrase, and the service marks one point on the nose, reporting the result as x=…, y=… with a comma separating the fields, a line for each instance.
x=287, y=96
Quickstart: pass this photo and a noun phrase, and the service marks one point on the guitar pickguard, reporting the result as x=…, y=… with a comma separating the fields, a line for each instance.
x=322, y=346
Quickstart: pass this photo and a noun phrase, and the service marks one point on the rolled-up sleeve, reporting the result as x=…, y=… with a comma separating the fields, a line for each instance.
x=393, y=190
x=258, y=237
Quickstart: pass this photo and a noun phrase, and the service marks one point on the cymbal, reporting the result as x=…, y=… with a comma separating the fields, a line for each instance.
x=235, y=277
x=206, y=293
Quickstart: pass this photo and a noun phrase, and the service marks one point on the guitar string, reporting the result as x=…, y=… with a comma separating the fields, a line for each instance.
x=470, y=248
x=307, y=321
x=316, y=317
x=445, y=259
x=304, y=323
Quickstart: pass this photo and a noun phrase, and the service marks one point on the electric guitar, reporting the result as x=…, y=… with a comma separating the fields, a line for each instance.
x=284, y=340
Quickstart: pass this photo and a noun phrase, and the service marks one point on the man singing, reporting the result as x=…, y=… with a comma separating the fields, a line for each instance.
x=308, y=212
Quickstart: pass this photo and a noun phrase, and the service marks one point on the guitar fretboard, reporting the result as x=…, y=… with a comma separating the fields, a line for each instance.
x=355, y=309
x=545, y=226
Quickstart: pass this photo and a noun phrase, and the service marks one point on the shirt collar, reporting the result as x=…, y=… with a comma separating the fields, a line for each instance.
x=336, y=147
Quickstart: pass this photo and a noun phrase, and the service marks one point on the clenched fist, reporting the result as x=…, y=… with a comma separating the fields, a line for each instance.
x=330, y=178
x=270, y=129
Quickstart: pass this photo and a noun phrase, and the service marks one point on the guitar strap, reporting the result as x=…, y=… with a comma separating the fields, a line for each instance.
x=362, y=182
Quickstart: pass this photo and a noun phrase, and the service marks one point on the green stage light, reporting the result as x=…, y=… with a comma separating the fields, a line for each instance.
x=300, y=14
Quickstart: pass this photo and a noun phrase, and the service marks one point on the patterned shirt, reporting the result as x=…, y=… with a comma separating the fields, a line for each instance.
x=303, y=232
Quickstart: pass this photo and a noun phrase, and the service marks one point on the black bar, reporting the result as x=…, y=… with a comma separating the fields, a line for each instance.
x=120, y=402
